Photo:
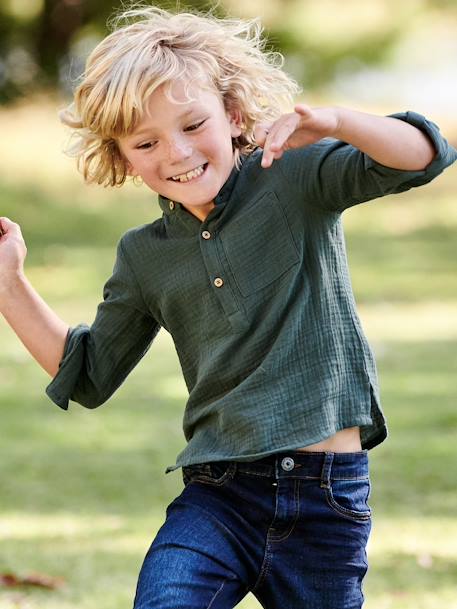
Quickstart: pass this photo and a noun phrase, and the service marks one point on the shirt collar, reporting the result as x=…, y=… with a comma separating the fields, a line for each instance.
x=169, y=207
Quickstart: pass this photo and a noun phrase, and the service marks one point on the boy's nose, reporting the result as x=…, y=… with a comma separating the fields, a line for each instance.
x=179, y=149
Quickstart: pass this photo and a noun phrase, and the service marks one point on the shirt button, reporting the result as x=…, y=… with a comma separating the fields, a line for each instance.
x=287, y=464
x=171, y=205
x=218, y=282
x=206, y=234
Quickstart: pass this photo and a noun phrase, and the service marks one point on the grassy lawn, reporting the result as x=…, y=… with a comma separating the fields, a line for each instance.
x=83, y=493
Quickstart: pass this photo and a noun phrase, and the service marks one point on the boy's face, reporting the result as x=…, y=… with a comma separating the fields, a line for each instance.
x=173, y=139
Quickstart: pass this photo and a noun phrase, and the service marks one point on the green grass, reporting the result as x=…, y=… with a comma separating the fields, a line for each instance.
x=83, y=493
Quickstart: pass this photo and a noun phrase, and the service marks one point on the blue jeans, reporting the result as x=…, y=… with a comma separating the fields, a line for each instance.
x=291, y=528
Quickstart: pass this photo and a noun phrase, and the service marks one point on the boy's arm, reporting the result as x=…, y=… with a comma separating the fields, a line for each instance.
x=99, y=357
x=386, y=140
x=87, y=363
x=386, y=155
x=42, y=332
x=389, y=141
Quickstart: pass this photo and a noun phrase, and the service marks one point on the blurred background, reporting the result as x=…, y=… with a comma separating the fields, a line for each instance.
x=83, y=493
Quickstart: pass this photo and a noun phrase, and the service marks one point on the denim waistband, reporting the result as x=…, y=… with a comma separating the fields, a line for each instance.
x=318, y=465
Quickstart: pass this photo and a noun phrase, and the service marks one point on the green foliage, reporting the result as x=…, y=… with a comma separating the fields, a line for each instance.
x=44, y=43
x=39, y=47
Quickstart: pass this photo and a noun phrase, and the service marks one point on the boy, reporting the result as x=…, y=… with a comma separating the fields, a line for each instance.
x=247, y=271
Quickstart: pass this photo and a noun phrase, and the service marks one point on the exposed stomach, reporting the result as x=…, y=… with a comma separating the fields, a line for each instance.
x=344, y=441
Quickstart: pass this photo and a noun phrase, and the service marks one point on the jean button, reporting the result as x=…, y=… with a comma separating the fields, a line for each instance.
x=287, y=464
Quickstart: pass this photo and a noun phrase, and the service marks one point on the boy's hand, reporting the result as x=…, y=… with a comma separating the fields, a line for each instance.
x=12, y=251
x=300, y=128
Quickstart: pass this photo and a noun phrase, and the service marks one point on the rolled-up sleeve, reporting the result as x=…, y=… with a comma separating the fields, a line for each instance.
x=97, y=359
x=333, y=175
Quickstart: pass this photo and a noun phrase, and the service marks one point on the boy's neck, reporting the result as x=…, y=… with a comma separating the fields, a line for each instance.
x=200, y=212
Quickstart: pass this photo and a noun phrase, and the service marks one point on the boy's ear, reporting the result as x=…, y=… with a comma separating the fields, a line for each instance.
x=130, y=171
x=236, y=122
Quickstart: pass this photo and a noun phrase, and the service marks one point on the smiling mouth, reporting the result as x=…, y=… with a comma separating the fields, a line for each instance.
x=190, y=175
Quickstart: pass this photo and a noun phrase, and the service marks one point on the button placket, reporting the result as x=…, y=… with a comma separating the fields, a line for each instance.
x=219, y=274
x=218, y=282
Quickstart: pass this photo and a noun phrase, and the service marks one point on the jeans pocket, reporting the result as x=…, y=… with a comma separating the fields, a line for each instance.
x=349, y=497
x=214, y=474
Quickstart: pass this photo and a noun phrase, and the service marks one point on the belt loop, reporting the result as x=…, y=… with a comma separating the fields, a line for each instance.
x=327, y=470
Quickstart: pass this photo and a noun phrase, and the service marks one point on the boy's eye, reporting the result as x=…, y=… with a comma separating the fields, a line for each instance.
x=195, y=126
x=148, y=145
x=145, y=146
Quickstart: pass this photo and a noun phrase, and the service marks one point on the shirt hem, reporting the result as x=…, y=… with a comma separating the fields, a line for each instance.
x=373, y=441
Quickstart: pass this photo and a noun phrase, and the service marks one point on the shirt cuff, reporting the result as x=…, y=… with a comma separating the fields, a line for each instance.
x=62, y=385
x=445, y=153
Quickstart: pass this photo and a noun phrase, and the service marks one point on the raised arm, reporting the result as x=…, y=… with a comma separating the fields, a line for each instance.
x=366, y=157
x=389, y=141
x=42, y=332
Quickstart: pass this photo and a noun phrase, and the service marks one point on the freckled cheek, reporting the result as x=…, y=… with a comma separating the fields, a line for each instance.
x=151, y=172
x=217, y=151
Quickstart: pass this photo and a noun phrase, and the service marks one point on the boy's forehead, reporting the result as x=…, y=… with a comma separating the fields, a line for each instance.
x=186, y=93
x=174, y=101
x=179, y=100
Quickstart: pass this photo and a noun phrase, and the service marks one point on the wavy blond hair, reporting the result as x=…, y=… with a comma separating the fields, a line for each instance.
x=150, y=47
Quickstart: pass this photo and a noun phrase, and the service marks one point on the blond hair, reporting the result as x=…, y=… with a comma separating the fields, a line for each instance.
x=151, y=47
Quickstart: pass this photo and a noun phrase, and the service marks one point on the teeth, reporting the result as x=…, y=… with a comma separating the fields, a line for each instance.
x=185, y=177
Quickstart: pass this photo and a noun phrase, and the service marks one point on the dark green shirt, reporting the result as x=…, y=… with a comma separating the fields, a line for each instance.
x=258, y=301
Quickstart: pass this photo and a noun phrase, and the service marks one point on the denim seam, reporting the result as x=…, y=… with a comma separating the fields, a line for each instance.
x=332, y=478
x=352, y=514
x=251, y=473
x=228, y=475
x=217, y=592
x=267, y=555
x=298, y=477
x=264, y=569
x=297, y=514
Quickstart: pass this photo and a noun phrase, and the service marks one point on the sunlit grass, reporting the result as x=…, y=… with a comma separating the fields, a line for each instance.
x=83, y=493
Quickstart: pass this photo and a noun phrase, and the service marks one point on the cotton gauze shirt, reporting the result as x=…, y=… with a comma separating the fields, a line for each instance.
x=258, y=301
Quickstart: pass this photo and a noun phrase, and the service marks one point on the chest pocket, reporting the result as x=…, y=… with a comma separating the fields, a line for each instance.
x=259, y=245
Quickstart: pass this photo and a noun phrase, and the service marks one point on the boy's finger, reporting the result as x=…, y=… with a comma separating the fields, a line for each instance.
x=275, y=141
x=267, y=157
x=270, y=152
x=8, y=226
x=303, y=110
x=3, y=225
x=282, y=135
x=261, y=132
x=266, y=160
